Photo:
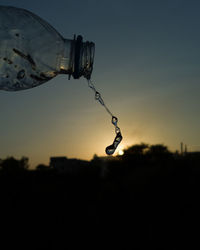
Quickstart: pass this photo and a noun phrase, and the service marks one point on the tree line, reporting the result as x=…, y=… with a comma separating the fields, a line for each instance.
x=136, y=153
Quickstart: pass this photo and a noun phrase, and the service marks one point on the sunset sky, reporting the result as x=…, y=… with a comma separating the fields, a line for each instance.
x=147, y=69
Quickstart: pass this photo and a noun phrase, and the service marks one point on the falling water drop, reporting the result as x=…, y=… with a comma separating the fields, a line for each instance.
x=114, y=120
x=109, y=149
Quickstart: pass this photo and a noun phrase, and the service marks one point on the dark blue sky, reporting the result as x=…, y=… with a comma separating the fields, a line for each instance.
x=147, y=65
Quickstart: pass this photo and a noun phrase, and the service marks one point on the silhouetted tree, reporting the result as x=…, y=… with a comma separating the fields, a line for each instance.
x=137, y=149
x=42, y=167
x=159, y=152
x=95, y=157
x=158, y=149
x=10, y=164
x=96, y=160
x=24, y=163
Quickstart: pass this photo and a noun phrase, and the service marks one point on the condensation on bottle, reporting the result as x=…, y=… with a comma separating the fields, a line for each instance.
x=32, y=52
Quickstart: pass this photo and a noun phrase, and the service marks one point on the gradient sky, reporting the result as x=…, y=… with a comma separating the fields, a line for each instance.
x=147, y=68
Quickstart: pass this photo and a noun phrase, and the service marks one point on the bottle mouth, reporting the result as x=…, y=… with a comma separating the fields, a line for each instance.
x=83, y=58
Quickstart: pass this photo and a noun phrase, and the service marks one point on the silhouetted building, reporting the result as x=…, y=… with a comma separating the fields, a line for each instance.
x=64, y=165
x=58, y=162
x=194, y=155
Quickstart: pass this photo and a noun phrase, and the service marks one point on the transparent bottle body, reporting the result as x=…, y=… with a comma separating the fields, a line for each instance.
x=31, y=50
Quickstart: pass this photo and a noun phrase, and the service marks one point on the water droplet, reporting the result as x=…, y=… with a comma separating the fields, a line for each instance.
x=114, y=120
x=117, y=130
x=21, y=74
x=110, y=150
x=97, y=95
x=117, y=140
x=118, y=137
x=17, y=85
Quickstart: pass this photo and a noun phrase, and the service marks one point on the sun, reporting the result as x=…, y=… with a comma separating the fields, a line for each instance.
x=120, y=152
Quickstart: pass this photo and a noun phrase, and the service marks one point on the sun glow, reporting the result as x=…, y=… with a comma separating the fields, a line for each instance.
x=120, y=150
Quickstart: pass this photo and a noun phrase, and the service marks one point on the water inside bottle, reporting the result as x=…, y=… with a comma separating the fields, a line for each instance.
x=118, y=138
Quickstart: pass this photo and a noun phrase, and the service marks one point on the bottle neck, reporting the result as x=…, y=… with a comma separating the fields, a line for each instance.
x=78, y=58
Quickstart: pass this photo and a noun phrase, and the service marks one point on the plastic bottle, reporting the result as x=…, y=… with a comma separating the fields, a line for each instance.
x=33, y=52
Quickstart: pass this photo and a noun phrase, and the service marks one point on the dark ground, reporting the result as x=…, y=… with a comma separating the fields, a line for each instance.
x=138, y=205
